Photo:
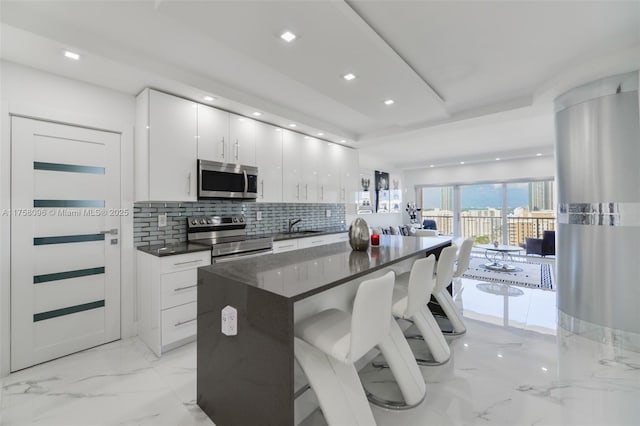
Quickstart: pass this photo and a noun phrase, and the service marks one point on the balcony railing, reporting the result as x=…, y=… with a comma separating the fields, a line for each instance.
x=486, y=229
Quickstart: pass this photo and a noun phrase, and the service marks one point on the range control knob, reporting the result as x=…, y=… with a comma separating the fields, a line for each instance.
x=201, y=221
x=234, y=220
x=241, y=219
x=209, y=221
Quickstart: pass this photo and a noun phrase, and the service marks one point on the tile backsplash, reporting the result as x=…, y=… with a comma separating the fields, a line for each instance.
x=274, y=218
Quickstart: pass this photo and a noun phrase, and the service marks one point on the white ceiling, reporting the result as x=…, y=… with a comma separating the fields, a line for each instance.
x=470, y=79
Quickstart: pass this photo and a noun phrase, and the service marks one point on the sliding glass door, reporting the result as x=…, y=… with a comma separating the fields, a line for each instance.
x=481, y=212
x=438, y=205
x=504, y=212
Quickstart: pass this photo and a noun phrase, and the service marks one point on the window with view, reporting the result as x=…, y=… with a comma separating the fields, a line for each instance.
x=508, y=213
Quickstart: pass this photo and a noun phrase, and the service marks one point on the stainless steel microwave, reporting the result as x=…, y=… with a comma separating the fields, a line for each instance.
x=226, y=180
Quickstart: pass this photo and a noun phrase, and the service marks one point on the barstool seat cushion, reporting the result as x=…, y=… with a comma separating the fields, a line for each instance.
x=329, y=331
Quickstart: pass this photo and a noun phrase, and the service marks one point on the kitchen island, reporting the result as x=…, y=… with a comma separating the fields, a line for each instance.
x=248, y=378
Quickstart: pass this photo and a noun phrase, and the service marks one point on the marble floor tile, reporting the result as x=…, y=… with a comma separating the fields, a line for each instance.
x=514, y=366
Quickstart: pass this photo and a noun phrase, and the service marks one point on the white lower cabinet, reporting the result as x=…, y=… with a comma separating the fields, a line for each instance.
x=285, y=245
x=167, y=298
x=300, y=243
x=314, y=241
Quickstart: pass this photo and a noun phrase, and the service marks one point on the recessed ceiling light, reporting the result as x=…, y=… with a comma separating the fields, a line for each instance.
x=497, y=158
x=307, y=137
x=256, y=114
x=539, y=154
x=320, y=134
x=389, y=102
x=349, y=76
x=342, y=141
x=462, y=162
x=432, y=165
x=288, y=36
x=544, y=369
x=292, y=125
x=71, y=55
x=209, y=98
x=278, y=129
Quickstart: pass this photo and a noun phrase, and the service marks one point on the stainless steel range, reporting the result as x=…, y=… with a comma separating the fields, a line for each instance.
x=226, y=235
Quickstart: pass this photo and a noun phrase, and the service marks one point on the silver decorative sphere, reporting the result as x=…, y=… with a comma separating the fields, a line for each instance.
x=359, y=235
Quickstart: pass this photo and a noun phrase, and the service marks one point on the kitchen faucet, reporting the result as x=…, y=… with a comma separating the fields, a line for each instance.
x=292, y=223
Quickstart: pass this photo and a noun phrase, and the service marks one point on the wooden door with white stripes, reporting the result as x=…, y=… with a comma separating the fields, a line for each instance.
x=65, y=248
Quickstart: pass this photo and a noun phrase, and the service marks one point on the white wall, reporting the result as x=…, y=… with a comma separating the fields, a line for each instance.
x=33, y=93
x=534, y=168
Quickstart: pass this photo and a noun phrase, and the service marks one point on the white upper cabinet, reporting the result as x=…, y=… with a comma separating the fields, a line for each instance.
x=213, y=135
x=329, y=173
x=172, y=133
x=242, y=142
x=312, y=154
x=349, y=175
x=166, y=130
x=268, y=143
x=292, y=167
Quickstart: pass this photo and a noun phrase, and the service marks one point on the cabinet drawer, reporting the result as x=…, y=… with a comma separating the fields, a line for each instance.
x=179, y=287
x=286, y=245
x=181, y=262
x=179, y=323
x=312, y=241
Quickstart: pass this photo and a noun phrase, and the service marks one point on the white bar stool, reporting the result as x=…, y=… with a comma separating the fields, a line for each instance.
x=329, y=343
x=410, y=297
x=444, y=275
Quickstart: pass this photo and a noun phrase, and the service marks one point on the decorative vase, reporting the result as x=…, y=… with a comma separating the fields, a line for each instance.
x=359, y=235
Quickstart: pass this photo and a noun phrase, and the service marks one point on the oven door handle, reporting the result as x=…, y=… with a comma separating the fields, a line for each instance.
x=246, y=182
x=239, y=256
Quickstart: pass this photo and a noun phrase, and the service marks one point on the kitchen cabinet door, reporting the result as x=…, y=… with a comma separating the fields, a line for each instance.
x=349, y=175
x=242, y=140
x=312, y=154
x=213, y=135
x=292, y=154
x=172, y=148
x=329, y=173
x=269, y=162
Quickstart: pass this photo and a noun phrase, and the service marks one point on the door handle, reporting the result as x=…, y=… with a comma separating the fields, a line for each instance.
x=113, y=231
x=237, y=149
x=222, y=142
x=306, y=191
x=262, y=187
x=189, y=184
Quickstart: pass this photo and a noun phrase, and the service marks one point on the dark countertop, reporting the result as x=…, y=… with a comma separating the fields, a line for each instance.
x=173, y=249
x=301, y=273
